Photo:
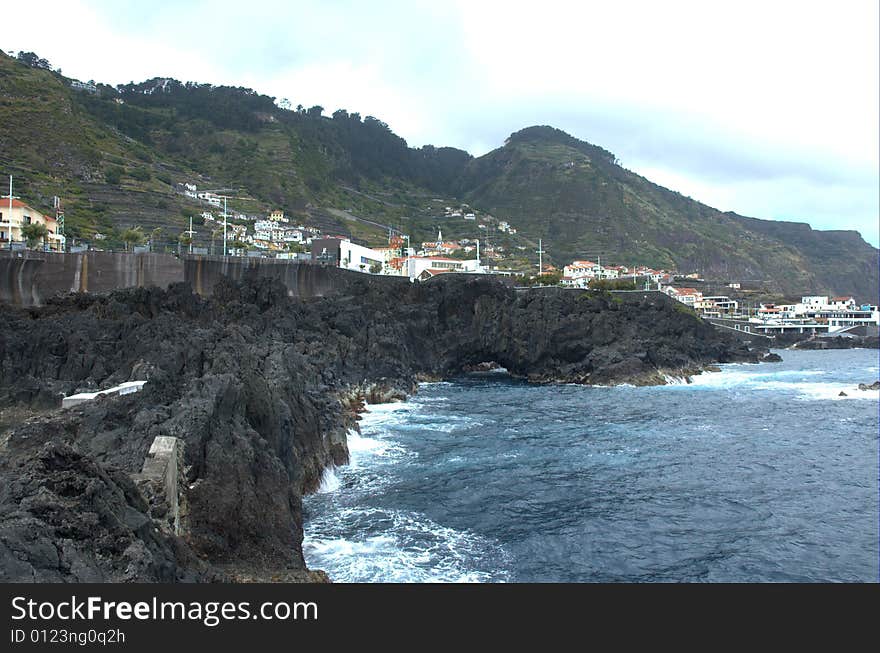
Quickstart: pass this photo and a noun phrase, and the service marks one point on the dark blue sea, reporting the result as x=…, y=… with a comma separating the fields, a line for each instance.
x=755, y=473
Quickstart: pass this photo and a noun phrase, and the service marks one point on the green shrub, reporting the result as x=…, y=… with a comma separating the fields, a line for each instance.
x=113, y=175
x=141, y=174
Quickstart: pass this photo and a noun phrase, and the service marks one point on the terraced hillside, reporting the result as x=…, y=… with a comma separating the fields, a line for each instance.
x=116, y=157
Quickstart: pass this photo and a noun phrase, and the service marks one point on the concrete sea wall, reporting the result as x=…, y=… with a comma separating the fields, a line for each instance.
x=30, y=278
x=301, y=279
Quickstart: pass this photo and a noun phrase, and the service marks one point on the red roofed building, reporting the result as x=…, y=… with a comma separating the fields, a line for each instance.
x=20, y=214
x=687, y=296
x=842, y=302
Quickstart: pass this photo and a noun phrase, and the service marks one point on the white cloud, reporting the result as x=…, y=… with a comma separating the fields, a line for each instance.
x=734, y=99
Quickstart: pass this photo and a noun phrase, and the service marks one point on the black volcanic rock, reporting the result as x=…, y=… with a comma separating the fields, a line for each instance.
x=262, y=389
x=839, y=342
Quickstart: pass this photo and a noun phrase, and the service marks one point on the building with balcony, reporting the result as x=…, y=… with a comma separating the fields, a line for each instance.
x=17, y=215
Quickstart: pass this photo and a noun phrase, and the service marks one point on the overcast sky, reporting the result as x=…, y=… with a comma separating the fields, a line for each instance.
x=766, y=108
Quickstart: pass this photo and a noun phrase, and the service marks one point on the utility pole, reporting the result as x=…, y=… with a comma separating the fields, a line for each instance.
x=11, y=197
x=225, y=214
x=191, y=232
x=540, y=253
x=59, y=220
x=478, y=252
x=225, y=219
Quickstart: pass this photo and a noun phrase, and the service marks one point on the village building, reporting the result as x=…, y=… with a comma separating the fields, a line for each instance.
x=718, y=304
x=688, y=296
x=16, y=214
x=341, y=252
x=388, y=253
x=210, y=198
x=425, y=267
x=439, y=246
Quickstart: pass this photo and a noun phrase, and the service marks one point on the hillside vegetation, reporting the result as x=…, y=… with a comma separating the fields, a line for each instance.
x=117, y=156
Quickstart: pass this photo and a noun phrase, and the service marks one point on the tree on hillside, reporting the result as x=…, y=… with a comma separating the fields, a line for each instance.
x=184, y=240
x=34, y=232
x=547, y=279
x=132, y=236
x=113, y=175
x=33, y=60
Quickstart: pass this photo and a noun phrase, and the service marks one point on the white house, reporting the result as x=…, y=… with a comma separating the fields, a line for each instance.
x=717, y=304
x=842, y=302
x=581, y=270
x=343, y=253
x=210, y=198
x=688, y=296
x=15, y=215
x=418, y=266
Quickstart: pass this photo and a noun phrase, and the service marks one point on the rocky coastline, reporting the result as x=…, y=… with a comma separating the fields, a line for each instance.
x=840, y=342
x=257, y=392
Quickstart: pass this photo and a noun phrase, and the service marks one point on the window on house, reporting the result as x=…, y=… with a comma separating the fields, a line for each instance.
x=27, y=219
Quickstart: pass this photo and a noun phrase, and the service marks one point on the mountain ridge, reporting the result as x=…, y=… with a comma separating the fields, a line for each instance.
x=117, y=155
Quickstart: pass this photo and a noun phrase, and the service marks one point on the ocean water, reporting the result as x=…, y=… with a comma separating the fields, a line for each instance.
x=755, y=473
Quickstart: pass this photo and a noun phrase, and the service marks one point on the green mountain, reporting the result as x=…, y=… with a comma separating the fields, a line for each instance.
x=117, y=157
x=577, y=198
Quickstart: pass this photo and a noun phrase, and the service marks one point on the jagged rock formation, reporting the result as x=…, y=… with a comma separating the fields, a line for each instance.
x=261, y=389
x=852, y=342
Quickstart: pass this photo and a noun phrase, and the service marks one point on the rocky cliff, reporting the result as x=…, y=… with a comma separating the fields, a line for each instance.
x=260, y=390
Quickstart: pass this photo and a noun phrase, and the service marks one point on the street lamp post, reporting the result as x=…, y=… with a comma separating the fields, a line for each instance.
x=11, y=197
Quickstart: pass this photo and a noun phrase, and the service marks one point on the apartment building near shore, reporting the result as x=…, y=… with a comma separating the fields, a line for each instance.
x=15, y=215
x=814, y=314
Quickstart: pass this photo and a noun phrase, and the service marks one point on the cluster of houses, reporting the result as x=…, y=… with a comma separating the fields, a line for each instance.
x=579, y=274
x=465, y=212
x=271, y=233
x=835, y=313
x=813, y=314
x=706, y=305
x=395, y=259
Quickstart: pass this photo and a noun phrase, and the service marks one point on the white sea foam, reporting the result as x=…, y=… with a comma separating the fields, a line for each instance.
x=736, y=375
x=787, y=381
x=822, y=391
x=411, y=548
x=392, y=412
x=330, y=481
x=360, y=543
x=366, y=450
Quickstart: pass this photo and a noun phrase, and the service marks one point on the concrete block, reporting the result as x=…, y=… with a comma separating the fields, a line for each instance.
x=161, y=476
x=122, y=389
